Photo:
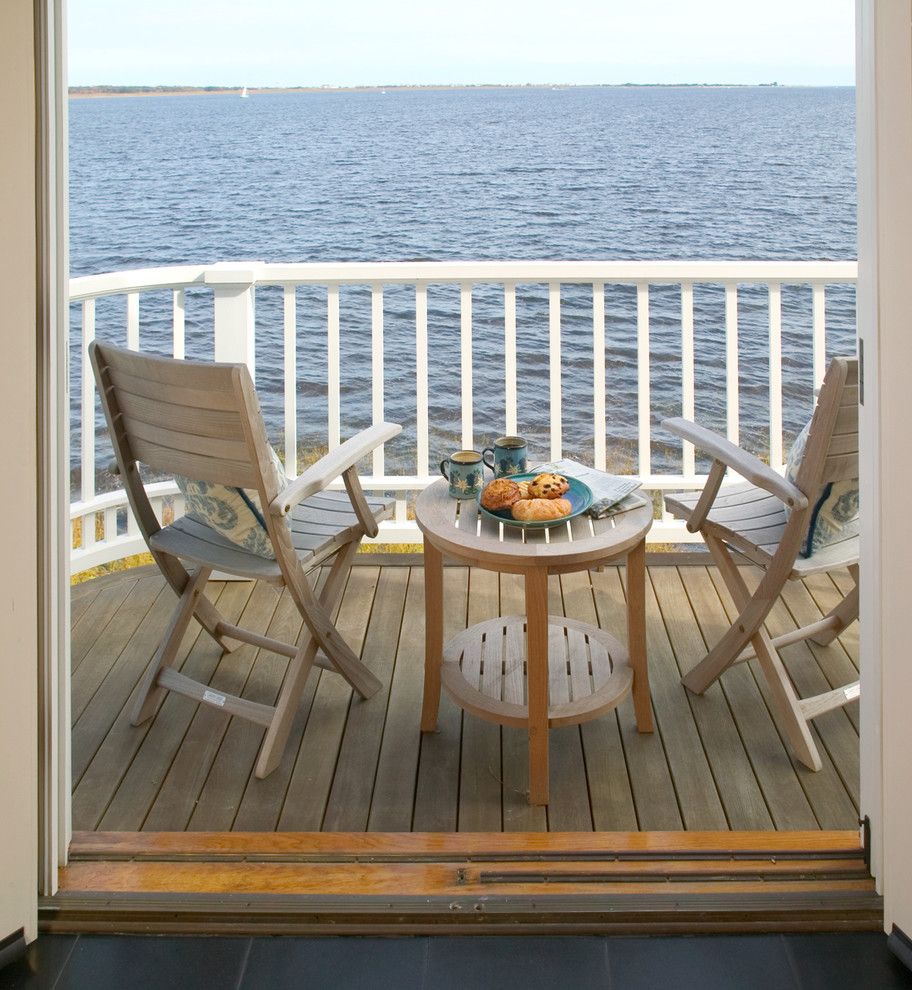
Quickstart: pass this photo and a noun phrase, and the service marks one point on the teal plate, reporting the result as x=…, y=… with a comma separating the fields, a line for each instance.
x=578, y=495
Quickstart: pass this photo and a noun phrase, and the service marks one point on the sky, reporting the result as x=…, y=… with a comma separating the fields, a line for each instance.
x=415, y=42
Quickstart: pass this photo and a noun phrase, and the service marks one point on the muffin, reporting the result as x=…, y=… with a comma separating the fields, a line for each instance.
x=500, y=494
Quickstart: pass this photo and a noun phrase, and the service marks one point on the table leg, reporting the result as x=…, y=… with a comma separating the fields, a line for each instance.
x=636, y=635
x=433, y=634
x=537, y=666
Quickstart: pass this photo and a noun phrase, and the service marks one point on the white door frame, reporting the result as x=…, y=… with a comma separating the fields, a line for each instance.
x=884, y=94
x=53, y=429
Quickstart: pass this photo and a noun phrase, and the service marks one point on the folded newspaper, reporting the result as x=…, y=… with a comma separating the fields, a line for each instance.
x=611, y=493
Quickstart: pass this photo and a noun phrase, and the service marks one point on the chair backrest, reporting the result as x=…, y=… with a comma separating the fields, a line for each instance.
x=197, y=419
x=831, y=454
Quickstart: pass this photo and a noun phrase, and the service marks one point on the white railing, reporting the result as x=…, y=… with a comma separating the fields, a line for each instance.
x=107, y=532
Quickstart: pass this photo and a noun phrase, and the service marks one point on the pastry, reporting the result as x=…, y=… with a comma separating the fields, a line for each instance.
x=499, y=494
x=523, y=487
x=534, y=509
x=548, y=485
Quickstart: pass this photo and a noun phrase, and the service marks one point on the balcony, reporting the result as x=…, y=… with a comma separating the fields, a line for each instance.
x=715, y=762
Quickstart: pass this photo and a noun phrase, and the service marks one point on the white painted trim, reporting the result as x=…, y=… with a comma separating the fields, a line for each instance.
x=884, y=67
x=53, y=422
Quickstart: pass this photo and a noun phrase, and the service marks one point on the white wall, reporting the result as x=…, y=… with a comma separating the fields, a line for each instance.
x=885, y=327
x=18, y=455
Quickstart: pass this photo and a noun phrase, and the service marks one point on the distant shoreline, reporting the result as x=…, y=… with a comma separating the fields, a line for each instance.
x=95, y=92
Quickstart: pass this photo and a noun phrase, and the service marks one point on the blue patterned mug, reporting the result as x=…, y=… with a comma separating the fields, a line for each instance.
x=508, y=456
x=464, y=471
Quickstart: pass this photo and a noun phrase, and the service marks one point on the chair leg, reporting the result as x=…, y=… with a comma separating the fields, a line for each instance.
x=299, y=668
x=729, y=648
x=207, y=614
x=323, y=630
x=150, y=694
x=845, y=613
x=786, y=703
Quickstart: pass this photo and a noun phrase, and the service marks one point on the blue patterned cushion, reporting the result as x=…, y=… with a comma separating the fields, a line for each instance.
x=235, y=513
x=834, y=517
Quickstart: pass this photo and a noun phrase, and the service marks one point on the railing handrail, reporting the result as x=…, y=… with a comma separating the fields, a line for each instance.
x=423, y=272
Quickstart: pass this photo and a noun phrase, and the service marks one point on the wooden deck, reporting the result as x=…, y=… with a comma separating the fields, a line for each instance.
x=715, y=762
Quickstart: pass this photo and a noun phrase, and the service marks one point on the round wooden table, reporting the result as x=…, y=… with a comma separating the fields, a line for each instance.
x=537, y=670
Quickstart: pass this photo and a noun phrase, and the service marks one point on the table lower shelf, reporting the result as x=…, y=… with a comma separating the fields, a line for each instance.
x=485, y=671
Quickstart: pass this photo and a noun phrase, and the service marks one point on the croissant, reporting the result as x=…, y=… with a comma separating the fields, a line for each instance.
x=534, y=509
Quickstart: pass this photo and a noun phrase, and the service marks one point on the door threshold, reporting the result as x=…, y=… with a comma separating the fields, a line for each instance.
x=411, y=883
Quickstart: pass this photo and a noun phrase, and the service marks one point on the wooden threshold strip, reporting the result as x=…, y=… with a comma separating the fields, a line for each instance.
x=438, y=845
x=401, y=883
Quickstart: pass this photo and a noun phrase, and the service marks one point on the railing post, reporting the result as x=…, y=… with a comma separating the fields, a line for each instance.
x=233, y=288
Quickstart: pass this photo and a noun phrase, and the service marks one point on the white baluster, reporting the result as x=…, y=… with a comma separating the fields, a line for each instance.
x=819, y=317
x=465, y=347
x=110, y=524
x=133, y=321
x=87, y=411
x=510, y=401
x=554, y=367
x=598, y=375
x=377, y=386
x=775, y=375
x=731, y=361
x=422, y=467
x=332, y=366
x=178, y=320
x=688, y=465
x=290, y=370
x=643, y=398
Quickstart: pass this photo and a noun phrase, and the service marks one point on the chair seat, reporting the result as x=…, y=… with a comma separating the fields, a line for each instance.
x=752, y=521
x=319, y=526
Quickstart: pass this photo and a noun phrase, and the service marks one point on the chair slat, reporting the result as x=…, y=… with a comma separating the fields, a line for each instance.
x=189, y=443
x=222, y=398
x=183, y=419
x=212, y=469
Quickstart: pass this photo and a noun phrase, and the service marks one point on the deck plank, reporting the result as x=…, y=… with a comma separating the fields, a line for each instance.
x=311, y=780
x=738, y=788
x=437, y=791
x=160, y=738
x=480, y=770
x=104, y=776
x=91, y=623
x=775, y=773
x=518, y=814
x=393, y=802
x=610, y=795
x=569, y=809
x=262, y=800
x=714, y=762
x=102, y=656
x=348, y=806
x=177, y=800
x=654, y=793
x=824, y=789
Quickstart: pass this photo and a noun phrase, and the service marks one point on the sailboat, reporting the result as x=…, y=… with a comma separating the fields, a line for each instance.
x=244, y=93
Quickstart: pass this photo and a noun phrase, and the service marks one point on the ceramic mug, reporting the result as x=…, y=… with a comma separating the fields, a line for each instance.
x=508, y=456
x=464, y=471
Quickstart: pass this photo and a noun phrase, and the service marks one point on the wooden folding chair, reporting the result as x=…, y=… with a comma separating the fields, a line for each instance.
x=203, y=421
x=751, y=519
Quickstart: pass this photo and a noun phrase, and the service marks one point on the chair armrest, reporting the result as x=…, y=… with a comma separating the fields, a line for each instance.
x=320, y=474
x=750, y=468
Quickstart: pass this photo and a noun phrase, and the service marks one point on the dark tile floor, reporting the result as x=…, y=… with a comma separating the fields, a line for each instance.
x=783, y=962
